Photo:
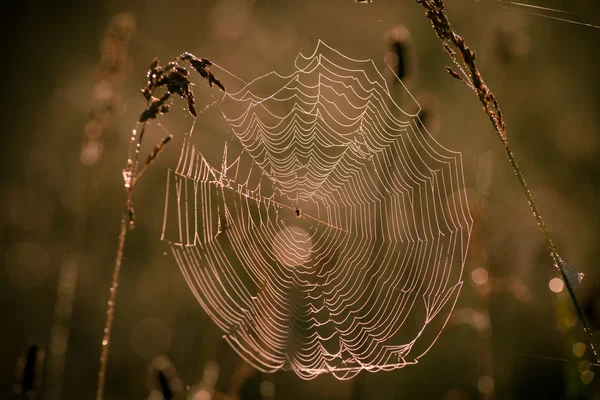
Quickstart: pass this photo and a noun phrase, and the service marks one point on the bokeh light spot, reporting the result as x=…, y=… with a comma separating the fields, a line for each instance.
x=93, y=130
x=583, y=366
x=91, y=152
x=201, y=395
x=556, y=285
x=155, y=395
x=587, y=376
x=570, y=320
x=267, y=389
x=579, y=349
x=485, y=384
x=479, y=276
x=210, y=374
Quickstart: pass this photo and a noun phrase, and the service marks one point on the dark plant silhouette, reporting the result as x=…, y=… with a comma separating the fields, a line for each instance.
x=29, y=371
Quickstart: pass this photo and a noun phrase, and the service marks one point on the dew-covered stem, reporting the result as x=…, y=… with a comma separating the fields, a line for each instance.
x=110, y=310
x=127, y=221
x=558, y=261
x=169, y=79
x=455, y=46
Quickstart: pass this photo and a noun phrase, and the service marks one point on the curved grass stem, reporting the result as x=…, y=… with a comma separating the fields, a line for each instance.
x=455, y=45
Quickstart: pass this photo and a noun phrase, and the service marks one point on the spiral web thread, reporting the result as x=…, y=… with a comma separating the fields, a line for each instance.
x=334, y=239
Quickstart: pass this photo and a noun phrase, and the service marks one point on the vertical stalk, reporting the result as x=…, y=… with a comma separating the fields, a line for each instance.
x=110, y=311
x=127, y=220
x=171, y=78
x=558, y=261
x=470, y=75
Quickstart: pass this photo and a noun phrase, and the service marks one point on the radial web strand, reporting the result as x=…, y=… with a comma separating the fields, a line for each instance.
x=328, y=231
x=555, y=13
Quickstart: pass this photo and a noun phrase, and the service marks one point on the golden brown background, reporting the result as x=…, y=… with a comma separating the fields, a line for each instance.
x=56, y=211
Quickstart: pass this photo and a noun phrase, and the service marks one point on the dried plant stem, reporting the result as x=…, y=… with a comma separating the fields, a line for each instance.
x=126, y=224
x=470, y=75
x=170, y=79
x=110, y=311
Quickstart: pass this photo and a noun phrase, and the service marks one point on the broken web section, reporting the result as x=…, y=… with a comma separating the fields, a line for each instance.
x=328, y=231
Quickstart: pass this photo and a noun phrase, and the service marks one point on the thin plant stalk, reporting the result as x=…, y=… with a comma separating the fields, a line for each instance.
x=470, y=75
x=110, y=311
x=126, y=223
x=169, y=79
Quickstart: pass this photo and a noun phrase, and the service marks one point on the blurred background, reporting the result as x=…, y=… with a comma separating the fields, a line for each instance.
x=73, y=74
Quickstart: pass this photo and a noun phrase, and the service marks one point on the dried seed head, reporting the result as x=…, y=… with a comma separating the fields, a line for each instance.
x=158, y=149
x=454, y=74
x=153, y=65
x=192, y=106
x=165, y=108
x=146, y=93
x=201, y=65
x=175, y=82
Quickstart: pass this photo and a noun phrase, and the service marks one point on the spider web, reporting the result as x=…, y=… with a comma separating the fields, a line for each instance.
x=330, y=233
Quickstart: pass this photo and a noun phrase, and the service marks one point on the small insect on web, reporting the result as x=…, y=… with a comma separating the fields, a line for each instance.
x=330, y=232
